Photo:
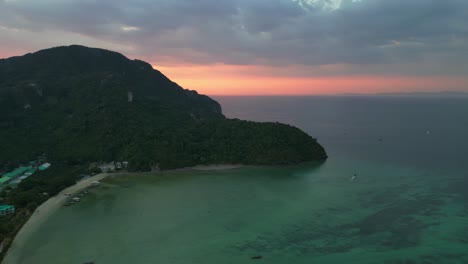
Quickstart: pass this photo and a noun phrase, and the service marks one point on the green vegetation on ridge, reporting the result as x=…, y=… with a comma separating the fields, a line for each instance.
x=80, y=105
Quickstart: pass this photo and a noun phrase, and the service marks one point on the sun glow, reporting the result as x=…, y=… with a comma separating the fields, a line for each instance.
x=256, y=80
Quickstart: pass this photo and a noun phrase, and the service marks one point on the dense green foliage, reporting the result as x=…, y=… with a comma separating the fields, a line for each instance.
x=72, y=104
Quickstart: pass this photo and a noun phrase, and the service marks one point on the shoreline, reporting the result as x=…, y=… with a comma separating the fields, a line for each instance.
x=48, y=207
x=213, y=167
x=41, y=214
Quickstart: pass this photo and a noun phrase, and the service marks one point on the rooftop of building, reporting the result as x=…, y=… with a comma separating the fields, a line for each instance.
x=6, y=207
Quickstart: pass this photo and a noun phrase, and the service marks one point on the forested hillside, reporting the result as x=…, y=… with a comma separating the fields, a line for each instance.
x=79, y=105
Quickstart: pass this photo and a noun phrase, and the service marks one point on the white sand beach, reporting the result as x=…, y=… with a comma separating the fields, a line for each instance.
x=52, y=204
x=216, y=167
x=42, y=213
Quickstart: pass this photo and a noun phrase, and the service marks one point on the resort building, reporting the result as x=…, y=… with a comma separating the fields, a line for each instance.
x=110, y=166
x=30, y=171
x=7, y=209
x=107, y=167
x=17, y=175
x=8, y=177
x=4, y=181
x=17, y=172
x=44, y=166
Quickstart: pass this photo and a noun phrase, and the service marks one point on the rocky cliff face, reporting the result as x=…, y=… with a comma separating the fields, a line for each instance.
x=61, y=72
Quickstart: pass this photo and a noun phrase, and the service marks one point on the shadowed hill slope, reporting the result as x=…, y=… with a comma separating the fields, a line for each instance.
x=78, y=105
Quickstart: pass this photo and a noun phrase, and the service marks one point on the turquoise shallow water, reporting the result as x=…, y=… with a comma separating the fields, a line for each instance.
x=407, y=204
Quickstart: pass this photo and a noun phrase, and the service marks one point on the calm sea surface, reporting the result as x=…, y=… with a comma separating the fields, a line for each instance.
x=407, y=204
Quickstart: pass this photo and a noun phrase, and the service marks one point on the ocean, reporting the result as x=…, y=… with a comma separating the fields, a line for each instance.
x=394, y=190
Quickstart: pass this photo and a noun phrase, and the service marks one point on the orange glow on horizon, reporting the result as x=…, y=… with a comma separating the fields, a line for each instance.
x=253, y=80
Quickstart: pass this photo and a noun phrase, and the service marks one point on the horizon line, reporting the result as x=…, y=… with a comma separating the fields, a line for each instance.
x=434, y=93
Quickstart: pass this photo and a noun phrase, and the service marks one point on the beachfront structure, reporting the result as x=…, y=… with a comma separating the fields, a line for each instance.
x=44, y=166
x=17, y=172
x=107, y=167
x=7, y=209
x=4, y=181
x=8, y=177
x=17, y=175
x=18, y=180
x=29, y=172
x=110, y=166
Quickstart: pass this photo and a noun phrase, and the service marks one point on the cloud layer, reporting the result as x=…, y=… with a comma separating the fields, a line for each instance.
x=376, y=36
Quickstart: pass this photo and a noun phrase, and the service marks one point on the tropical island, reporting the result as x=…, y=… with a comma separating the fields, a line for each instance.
x=77, y=107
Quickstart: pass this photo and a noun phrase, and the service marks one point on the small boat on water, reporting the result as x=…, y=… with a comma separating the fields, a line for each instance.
x=95, y=183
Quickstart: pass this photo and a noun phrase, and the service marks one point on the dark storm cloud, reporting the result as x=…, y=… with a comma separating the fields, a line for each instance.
x=273, y=32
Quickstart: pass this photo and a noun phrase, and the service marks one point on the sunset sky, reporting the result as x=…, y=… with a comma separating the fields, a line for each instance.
x=261, y=47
